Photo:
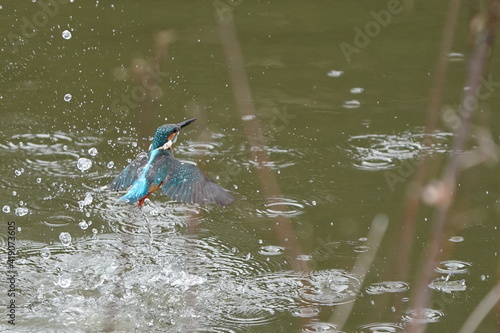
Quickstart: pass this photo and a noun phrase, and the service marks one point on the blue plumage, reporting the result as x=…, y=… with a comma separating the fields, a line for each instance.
x=158, y=168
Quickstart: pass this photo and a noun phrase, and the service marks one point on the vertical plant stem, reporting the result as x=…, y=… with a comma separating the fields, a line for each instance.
x=477, y=65
x=244, y=101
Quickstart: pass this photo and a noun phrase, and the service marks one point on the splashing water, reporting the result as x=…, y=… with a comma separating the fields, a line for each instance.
x=65, y=238
x=83, y=164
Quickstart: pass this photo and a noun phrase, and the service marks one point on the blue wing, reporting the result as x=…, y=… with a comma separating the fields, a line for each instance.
x=130, y=173
x=186, y=183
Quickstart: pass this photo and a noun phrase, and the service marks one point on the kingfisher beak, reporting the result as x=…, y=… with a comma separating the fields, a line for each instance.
x=185, y=122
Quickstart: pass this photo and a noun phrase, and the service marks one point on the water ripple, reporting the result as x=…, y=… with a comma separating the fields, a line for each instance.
x=281, y=207
x=387, y=287
x=317, y=327
x=428, y=316
x=448, y=286
x=453, y=267
x=380, y=328
x=381, y=152
x=330, y=287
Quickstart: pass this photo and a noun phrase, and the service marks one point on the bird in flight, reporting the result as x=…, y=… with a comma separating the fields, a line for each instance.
x=158, y=168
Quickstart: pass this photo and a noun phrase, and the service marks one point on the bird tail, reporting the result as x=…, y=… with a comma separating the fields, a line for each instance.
x=138, y=191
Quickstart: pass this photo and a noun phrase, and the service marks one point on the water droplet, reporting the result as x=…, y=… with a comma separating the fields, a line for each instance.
x=83, y=225
x=335, y=73
x=357, y=90
x=21, y=211
x=456, y=239
x=66, y=34
x=65, y=238
x=110, y=164
x=83, y=164
x=6, y=209
x=352, y=104
x=248, y=117
x=45, y=253
x=93, y=151
x=67, y=97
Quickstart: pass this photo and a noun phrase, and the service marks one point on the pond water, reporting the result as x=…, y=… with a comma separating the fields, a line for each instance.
x=84, y=85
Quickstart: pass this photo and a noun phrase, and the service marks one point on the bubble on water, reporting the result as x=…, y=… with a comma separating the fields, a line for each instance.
x=21, y=211
x=83, y=164
x=38, y=180
x=66, y=34
x=64, y=280
x=45, y=253
x=65, y=238
x=67, y=97
x=6, y=209
x=110, y=164
x=93, y=151
x=19, y=172
x=83, y=225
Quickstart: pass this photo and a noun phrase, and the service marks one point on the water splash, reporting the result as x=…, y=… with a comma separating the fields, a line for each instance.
x=83, y=164
x=65, y=238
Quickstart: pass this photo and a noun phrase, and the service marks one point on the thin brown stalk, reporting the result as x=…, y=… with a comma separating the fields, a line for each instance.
x=436, y=93
x=244, y=101
x=477, y=66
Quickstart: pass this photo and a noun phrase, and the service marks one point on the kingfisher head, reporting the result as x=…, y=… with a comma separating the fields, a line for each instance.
x=166, y=135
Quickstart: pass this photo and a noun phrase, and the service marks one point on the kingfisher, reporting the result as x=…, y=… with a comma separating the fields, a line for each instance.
x=181, y=181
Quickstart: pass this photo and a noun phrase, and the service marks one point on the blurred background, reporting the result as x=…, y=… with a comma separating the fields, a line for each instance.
x=312, y=114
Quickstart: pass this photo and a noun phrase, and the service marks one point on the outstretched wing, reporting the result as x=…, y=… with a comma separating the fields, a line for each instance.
x=130, y=173
x=186, y=183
